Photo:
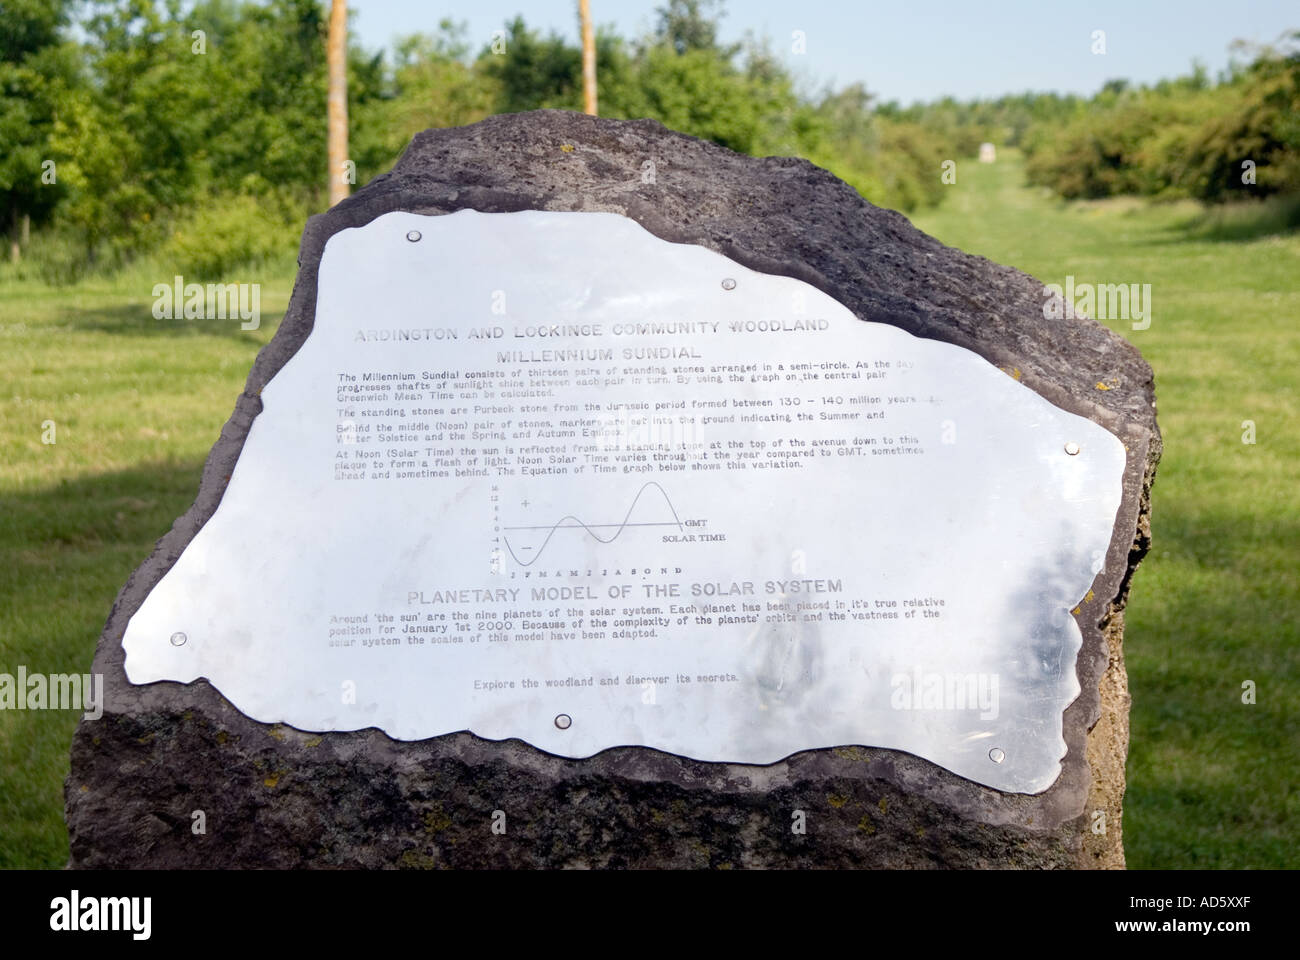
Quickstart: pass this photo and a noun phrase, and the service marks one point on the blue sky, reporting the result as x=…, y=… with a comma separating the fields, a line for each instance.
x=919, y=50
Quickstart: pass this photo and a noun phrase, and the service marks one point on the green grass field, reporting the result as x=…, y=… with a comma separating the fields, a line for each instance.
x=137, y=402
x=1211, y=781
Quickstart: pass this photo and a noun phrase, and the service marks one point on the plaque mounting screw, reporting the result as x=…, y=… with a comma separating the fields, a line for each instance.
x=413, y=236
x=564, y=721
x=997, y=755
x=178, y=639
x=728, y=284
x=1072, y=448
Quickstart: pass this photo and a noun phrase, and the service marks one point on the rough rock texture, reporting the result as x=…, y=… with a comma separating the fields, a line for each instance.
x=276, y=797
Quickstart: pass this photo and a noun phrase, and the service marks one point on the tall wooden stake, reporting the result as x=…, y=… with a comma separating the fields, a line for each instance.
x=588, y=58
x=336, y=57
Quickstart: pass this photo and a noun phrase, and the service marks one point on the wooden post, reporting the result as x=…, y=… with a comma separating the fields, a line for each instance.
x=336, y=57
x=588, y=58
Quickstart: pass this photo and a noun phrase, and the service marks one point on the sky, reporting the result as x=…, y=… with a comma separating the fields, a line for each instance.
x=912, y=51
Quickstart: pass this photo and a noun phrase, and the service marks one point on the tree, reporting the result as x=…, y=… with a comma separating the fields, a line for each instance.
x=686, y=25
x=434, y=83
x=36, y=70
x=534, y=72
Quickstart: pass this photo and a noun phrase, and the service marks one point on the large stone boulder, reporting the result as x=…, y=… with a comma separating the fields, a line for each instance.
x=273, y=796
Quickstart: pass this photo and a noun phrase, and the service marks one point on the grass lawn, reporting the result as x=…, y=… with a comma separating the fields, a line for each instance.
x=1212, y=782
x=137, y=403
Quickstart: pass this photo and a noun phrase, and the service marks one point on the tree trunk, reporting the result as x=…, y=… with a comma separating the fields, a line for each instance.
x=336, y=56
x=15, y=251
x=588, y=58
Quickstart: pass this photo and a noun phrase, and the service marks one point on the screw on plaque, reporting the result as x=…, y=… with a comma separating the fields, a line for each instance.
x=413, y=236
x=728, y=284
x=1072, y=448
x=564, y=721
x=997, y=755
x=178, y=639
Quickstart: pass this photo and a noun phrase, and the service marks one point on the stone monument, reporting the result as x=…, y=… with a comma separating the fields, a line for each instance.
x=610, y=499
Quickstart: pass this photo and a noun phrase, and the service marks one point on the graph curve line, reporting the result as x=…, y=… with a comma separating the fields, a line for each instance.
x=621, y=527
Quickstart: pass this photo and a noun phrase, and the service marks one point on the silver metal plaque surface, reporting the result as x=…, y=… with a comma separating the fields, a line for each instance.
x=544, y=475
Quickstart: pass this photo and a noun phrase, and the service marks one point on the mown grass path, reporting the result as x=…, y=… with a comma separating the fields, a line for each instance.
x=1212, y=782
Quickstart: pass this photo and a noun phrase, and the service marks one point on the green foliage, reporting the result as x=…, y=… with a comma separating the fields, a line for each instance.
x=229, y=233
x=158, y=116
x=55, y=256
x=739, y=96
x=533, y=72
x=685, y=25
x=1261, y=125
x=432, y=84
x=1181, y=138
x=891, y=161
x=167, y=116
x=36, y=69
x=1277, y=214
x=1096, y=156
x=963, y=126
x=697, y=92
x=27, y=26
x=263, y=98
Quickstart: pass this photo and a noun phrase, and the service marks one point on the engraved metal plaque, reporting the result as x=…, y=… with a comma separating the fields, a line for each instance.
x=544, y=475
